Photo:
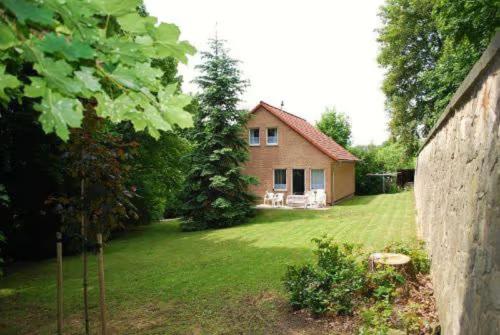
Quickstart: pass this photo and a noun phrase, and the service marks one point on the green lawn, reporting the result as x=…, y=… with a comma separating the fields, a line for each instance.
x=163, y=281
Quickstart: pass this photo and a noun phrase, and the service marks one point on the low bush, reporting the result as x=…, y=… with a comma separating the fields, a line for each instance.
x=376, y=319
x=331, y=287
x=341, y=282
x=410, y=320
x=382, y=283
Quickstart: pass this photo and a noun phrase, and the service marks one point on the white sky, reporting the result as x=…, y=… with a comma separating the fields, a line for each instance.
x=310, y=54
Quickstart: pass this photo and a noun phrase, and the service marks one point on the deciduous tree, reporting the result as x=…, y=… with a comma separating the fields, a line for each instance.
x=336, y=125
x=427, y=48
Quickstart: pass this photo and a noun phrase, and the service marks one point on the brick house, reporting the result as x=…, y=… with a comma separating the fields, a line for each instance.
x=289, y=155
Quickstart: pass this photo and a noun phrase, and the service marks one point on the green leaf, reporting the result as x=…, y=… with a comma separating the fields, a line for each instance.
x=116, y=7
x=7, y=37
x=86, y=76
x=148, y=75
x=172, y=106
x=58, y=113
x=126, y=76
x=124, y=51
x=7, y=81
x=77, y=18
x=28, y=11
x=125, y=107
x=155, y=121
x=57, y=75
x=140, y=78
x=71, y=50
x=146, y=44
x=116, y=110
x=135, y=23
x=167, y=32
x=166, y=42
x=38, y=88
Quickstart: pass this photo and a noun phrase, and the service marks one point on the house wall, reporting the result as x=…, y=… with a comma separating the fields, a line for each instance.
x=292, y=152
x=343, y=179
x=457, y=193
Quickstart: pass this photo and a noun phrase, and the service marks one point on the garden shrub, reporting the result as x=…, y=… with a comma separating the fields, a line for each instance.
x=376, y=319
x=411, y=322
x=383, y=282
x=334, y=285
x=298, y=280
x=340, y=283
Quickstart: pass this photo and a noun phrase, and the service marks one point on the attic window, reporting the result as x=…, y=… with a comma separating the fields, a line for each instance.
x=272, y=136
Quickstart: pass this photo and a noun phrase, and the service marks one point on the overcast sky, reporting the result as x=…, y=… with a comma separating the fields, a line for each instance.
x=309, y=54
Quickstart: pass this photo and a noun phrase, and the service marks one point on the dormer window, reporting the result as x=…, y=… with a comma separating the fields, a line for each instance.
x=272, y=136
x=254, y=136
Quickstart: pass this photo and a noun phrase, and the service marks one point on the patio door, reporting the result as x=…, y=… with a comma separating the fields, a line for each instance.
x=298, y=181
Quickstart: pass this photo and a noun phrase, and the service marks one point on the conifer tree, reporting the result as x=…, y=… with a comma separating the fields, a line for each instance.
x=216, y=192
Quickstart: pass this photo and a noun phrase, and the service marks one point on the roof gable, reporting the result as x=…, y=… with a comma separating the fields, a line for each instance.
x=324, y=143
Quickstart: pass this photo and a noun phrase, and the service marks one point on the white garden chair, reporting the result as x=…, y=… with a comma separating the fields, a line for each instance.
x=278, y=200
x=316, y=198
x=269, y=196
x=320, y=198
x=310, y=198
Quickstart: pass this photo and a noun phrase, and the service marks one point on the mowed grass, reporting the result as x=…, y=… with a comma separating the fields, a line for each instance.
x=160, y=280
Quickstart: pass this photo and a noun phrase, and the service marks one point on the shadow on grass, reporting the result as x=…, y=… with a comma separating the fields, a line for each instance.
x=200, y=277
x=161, y=280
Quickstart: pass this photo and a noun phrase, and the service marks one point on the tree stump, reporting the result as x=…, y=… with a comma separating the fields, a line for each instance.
x=398, y=261
x=402, y=263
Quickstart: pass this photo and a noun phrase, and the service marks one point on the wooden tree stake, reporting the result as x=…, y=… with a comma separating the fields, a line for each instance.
x=102, y=300
x=83, y=232
x=59, y=284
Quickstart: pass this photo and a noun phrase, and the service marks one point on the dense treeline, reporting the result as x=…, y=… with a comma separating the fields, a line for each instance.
x=76, y=120
x=427, y=48
x=35, y=172
x=388, y=157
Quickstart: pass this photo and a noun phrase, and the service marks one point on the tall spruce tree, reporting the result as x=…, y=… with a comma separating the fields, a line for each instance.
x=216, y=192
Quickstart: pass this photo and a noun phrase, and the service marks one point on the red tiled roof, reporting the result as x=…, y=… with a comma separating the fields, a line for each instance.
x=310, y=133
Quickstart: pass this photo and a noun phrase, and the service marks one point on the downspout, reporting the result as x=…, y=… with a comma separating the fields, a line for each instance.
x=332, y=182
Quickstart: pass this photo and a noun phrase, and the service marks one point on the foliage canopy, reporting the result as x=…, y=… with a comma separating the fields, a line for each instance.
x=388, y=157
x=55, y=54
x=427, y=48
x=336, y=125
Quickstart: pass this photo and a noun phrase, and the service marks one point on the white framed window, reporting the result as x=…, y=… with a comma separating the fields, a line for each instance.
x=279, y=179
x=254, y=136
x=272, y=136
x=317, y=179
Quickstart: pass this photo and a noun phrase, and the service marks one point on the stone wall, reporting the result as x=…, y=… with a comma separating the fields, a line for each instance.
x=457, y=192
